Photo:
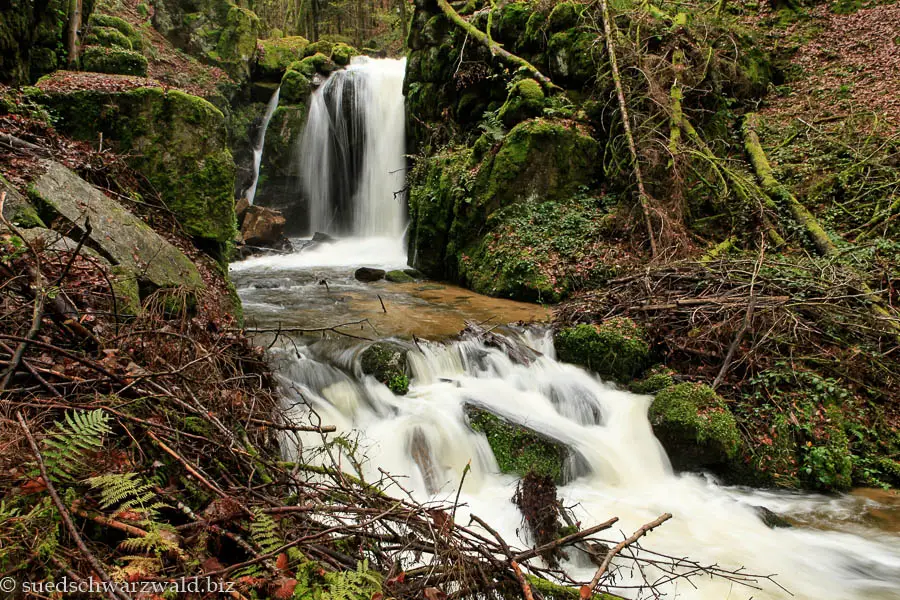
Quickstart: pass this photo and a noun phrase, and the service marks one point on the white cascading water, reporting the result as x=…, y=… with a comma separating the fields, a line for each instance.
x=260, y=144
x=625, y=471
x=352, y=152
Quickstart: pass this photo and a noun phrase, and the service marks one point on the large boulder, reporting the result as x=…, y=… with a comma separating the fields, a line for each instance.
x=176, y=140
x=32, y=38
x=262, y=227
x=273, y=56
x=387, y=362
x=218, y=32
x=67, y=201
x=520, y=450
x=16, y=209
x=369, y=274
x=695, y=427
x=616, y=349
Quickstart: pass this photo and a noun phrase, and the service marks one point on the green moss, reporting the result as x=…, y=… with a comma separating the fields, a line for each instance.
x=176, y=140
x=525, y=100
x=695, y=427
x=342, y=53
x=125, y=285
x=237, y=42
x=316, y=63
x=108, y=38
x=565, y=16
x=657, y=379
x=102, y=20
x=512, y=22
x=387, y=363
x=826, y=463
x=616, y=349
x=114, y=61
x=294, y=87
x=517, y=449
x=273, y=56
x=399, y=276
x=576, y=58
x=555, y=591
x=321, y=47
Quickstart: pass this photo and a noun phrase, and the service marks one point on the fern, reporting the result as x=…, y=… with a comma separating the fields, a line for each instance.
x=492, y=125
x=73, y=442
x=264, y=532
x=353, y=585
x=127, y=491
x=158, y=541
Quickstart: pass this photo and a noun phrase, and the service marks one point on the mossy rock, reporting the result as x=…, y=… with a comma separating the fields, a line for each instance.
x=17, y=209
x=236, y=45
x=577, y=58
x=656, y=380
x=316, y=63
x=695, y=427
x=294, y=87
x=320, y=47
x=178, y=141
x=273, y=56
x=512, y=22
x=341, y=54
x=387, y=362
x=616, y=349
x=99, y=21
x=826, y=462
x=125, y=285
x=399, y=276
x=525, y=100
x=108, y=38
x=114, y=61
x=538, y=158
x=565, y=16
x=518, y=449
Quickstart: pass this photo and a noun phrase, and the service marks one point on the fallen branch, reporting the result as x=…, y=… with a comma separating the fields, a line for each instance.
x=494, y=48
x=644, y=530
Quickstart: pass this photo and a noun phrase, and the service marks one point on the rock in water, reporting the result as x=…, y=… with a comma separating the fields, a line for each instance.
x=322, y=238
x=262, y=227
x=368, y=274
x=398, y=277
x=240, y=209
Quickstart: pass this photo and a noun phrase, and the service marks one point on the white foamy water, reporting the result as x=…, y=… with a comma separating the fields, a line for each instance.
x=624, y=470
x=378, y=252
x=352, y=152
x=260, y=144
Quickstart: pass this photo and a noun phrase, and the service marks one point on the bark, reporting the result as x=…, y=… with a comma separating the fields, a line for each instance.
x=74, y=26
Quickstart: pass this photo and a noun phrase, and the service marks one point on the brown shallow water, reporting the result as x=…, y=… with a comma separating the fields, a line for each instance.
x=297, y=298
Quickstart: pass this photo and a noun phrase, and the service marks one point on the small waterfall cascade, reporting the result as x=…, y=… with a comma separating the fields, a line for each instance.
x=352, y=153
x=260, y=143
x=623, y=471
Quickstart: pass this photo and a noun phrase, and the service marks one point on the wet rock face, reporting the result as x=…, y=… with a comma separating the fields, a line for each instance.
x=387, y=362
x=368, y=274
x=262, y=227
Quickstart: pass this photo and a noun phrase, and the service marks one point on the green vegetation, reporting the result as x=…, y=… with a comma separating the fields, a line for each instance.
x=519, y=450
x=118, y=61
x=274, y=55
x=386, y=362
x=695, y=427
x=615, y=349
x=398, y=276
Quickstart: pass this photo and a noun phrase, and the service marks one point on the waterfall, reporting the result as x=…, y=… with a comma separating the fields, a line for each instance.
x=260, y=143
x=352, y=152
x=423, y=437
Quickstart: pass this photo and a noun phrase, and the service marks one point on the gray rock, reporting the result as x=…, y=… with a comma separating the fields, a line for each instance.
x=48, y=239
x=368, y=274
x=16, y=209
x=322, y=238
x=119, y=235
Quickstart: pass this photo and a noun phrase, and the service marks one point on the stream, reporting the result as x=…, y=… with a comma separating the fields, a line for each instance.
x=843, y=547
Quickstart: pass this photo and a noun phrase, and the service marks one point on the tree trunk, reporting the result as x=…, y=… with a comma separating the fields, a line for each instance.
x=75, y=7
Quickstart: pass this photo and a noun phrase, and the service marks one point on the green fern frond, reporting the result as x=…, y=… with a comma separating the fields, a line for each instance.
x=73, y=442
x=155, y=542
x=126, y=491
x=264, y=532
x=353, y=585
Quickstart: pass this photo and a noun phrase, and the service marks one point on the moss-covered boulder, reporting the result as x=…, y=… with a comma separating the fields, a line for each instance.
x=115, y=61
x=316, y=63
x=525, y=100
x=237, y=42
x=387, y=362
x=17, y=209
x=176, y=140
x=616, y=349
x=274, y=55
x=695, y=427
x=67, y=200
x=398, y=276
x=294, y=87
x=108, y=37
x=101, y=25
x=518, y=449
x=657, y=379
